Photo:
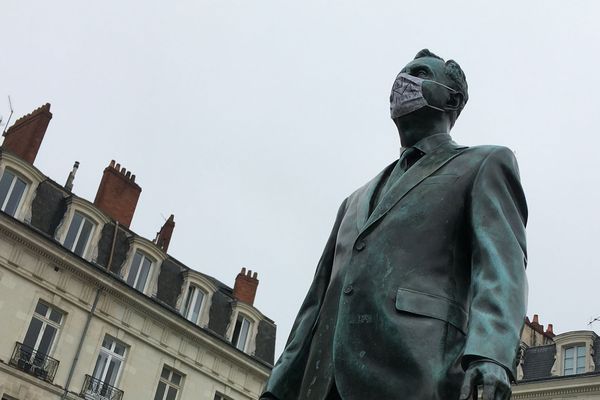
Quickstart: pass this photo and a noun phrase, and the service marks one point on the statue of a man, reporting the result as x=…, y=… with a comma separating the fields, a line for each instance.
x=420, y=293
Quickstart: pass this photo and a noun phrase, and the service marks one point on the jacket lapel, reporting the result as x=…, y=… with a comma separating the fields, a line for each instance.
x=426, y=166
x=364, y=198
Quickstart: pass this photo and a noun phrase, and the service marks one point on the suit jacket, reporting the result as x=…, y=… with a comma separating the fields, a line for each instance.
x=405, y=296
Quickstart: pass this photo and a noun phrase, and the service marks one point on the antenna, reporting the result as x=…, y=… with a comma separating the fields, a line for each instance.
x=593, y=320
x=11, y=113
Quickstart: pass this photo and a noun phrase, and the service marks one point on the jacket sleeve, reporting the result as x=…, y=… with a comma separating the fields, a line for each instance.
x=498, y=215
x=286, y=377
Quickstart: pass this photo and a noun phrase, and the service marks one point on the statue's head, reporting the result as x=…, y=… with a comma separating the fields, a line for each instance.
x=429, y=82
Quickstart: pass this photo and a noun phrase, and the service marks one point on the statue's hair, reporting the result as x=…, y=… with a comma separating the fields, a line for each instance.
x=454, y=73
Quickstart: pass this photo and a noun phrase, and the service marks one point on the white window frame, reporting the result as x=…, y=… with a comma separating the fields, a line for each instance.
x=143, y=256
x=194, y=278
x=153, y=253
x=190, y=305
x=168, y=383
x=244, y=319
x=93, y=214
x=111, y=354
x=84, y=219
x=575, y=358
x=254, y=316
x=28, y=173
x=46, y=321
x=9, y=193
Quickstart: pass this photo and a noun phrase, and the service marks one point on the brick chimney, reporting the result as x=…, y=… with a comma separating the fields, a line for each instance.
x=118, y=194
x=163, y=237
x=550, y=331
x=25, y=137
x=245, y=286
x=535, y=324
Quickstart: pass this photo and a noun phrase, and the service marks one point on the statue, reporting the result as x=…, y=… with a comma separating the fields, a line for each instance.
x=420, y=293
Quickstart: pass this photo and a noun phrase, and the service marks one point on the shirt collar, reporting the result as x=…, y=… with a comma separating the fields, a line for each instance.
x=426, y=145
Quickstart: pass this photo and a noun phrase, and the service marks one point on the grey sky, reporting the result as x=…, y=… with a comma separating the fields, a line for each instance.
x=252, y=120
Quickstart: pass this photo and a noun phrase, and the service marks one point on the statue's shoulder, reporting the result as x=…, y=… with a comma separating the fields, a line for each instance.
x=487, y=150
x=492, y=156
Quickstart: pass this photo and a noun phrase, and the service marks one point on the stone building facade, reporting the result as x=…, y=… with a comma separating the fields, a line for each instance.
x=91, y=310
x=556, y=367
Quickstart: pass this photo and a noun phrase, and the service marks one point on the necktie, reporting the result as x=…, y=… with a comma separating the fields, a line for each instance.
x=409, y=157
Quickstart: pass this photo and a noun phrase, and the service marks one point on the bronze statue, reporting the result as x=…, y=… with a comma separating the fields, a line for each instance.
x=420, y=293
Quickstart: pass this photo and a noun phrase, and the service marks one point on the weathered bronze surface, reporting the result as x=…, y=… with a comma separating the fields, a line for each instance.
x=421, y=291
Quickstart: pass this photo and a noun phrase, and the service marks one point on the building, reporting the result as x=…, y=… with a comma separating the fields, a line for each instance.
x=564, y=366
x=91, y=310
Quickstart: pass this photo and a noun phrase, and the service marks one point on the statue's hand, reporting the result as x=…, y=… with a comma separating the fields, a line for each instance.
x=491, y=376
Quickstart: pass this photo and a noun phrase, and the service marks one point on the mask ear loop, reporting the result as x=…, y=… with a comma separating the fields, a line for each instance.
x=451, y=90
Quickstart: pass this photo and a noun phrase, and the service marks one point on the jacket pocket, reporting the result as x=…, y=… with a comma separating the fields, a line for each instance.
x=433, y=306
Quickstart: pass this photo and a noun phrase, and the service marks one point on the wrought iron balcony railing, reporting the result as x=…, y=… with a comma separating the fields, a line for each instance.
x=95, y=389
x=33, y=362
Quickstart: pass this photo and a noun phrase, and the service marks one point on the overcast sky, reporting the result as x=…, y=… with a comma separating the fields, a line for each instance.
x=252, y=120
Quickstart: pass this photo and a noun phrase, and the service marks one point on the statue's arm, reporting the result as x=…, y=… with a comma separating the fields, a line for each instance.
x=286, y=377
x=498, y=215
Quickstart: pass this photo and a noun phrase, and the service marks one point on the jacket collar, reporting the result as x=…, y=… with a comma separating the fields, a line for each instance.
x=438, y=149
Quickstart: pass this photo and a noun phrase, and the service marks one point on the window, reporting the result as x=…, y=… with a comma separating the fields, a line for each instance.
x=240, y=332
x=11, y=192
x=574, y=360
x=43, y=329
x=193, y=304
x=139, y=271
x=110, y=360
x=219, y=396
x=169, y=384
x=79, y=234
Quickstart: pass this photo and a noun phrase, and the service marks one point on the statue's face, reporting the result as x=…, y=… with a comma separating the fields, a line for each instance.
x=422, y=83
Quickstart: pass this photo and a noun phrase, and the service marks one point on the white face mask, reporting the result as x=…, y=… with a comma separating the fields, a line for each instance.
x=407, y=95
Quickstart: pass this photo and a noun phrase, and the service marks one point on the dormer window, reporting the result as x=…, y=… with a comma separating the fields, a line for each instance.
x=79, y=233
x=574, y=360
x=241, y=332
x=141, y=266
x=193, y=304
x=12, y=188
x=574, y=353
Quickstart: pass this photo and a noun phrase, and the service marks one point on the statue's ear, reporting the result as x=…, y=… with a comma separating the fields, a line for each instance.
x=455, y=100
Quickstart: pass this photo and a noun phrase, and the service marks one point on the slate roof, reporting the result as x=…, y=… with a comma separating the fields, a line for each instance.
x=538, y=361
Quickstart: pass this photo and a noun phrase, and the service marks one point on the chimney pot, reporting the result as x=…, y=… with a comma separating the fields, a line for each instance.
x=117, y=196
x=536, y=319
x=25, y=136
x=112, y=163
x=71, y=177
x=245, y=286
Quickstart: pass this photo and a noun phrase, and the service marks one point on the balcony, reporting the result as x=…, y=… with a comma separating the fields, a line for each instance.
x=95, y=389
x=33, y=362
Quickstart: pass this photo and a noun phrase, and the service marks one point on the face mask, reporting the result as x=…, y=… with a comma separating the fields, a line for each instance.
x=410, y=93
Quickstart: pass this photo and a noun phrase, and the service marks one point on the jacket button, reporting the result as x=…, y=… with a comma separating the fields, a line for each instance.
x=360, y=245
x=348, y=289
